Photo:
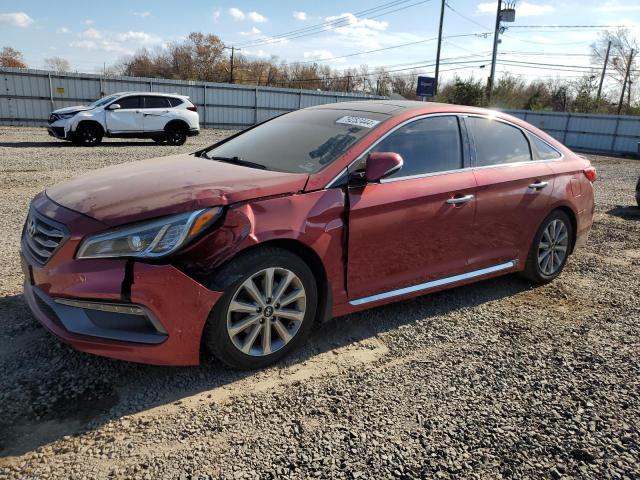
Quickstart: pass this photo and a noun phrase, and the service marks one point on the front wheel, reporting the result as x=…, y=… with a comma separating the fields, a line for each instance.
x=265, y=313
x=550, y=248
x=88, y=135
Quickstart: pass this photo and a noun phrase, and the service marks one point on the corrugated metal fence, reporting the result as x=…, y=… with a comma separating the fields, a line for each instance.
x=28, y=96
x=588, y=132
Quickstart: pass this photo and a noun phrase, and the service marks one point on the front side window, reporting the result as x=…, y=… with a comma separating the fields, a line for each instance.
x=304, y=141
x=428, y=145
x=128, y=103
x=497, y=142
x=156, y=102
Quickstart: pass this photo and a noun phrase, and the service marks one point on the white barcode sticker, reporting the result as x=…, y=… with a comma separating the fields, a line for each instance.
x=358, y=121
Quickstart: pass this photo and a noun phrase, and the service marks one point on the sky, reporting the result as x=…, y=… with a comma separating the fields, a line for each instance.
x=90, y=36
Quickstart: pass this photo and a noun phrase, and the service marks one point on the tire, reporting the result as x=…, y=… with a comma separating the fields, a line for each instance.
x=556, y=231
x=176, y=135
x=159, y=140
x=88, y=135
x=232, y=325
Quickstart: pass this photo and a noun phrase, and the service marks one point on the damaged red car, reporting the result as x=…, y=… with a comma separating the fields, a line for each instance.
x=237, y=249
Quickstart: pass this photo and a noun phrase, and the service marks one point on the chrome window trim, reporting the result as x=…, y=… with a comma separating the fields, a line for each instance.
x=524, y=131
x=433, y=283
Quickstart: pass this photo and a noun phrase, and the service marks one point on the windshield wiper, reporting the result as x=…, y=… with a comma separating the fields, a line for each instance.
x=236, y=161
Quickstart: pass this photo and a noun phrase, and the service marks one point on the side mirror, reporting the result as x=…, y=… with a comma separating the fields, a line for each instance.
x=114, y=106
x=382, y=164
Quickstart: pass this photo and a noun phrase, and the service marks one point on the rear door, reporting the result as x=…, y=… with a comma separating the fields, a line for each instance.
x=405, y=230
x=128, y=118
x=513, y=191
x=156, y=112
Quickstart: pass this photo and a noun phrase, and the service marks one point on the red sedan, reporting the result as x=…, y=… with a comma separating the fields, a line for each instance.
x=321, y=212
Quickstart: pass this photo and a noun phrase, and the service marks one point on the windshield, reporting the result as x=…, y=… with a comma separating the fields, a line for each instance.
x=103, y=101
x=304, y=141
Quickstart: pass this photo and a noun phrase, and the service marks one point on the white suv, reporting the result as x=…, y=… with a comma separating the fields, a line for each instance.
x=163, y=117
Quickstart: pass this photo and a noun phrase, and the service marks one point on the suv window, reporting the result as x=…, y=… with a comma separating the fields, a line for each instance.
x=427, y=145
x=543, y=150
x=175, y=101
x=497, y=142
x=156, y=102
x=128, y=102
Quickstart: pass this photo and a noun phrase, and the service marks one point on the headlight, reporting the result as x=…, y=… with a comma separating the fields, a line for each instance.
x=64, y=116
x=153, y=239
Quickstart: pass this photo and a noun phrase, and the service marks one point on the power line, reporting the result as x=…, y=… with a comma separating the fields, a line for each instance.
x=465, y=17
x=567, y=26
x=343, y=21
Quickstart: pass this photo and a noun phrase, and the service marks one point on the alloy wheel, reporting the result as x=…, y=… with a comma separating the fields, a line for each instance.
x=266, y=311
x=552, y=249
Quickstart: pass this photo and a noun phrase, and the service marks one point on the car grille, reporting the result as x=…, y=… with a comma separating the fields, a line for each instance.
x=41, y=237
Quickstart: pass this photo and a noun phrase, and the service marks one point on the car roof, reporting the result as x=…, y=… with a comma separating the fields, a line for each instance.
x=399, y=107
x=158, y=94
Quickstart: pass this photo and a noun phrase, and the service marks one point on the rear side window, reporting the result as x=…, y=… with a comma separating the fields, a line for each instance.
x=428, y=145
x=128, y=102
x=175, y=101
x=498, y=143
x=156, y=102
x=543, y=150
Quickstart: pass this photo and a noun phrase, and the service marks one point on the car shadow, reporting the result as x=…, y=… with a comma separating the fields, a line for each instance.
x=50, y=390
x=628, y=213
x=66, y=144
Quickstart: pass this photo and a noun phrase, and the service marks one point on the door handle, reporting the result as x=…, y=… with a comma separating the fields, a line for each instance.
x=459, y=200
x=538, y=185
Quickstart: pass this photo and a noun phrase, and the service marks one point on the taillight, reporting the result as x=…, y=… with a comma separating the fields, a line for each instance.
x=590, y=173
x=193, y=108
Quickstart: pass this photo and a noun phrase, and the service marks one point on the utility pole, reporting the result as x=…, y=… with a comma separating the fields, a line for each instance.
x=626, y=79
x=496, y=40
x=435, y=88
x=233, y=49
x=604, y=70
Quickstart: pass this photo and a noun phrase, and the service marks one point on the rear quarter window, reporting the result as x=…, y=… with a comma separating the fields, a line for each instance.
x=542, y=150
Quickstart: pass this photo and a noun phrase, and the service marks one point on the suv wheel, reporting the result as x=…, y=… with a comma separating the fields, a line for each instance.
x=265, y=313
x=550, y=248
x=88, y=135
x=176, y=135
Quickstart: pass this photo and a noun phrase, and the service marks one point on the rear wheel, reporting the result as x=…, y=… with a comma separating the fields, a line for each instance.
x=176, y=135
x=550, y=248
x=265, y=313
x=88, y=135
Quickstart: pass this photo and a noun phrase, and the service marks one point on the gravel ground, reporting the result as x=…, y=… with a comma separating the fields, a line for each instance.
x=495, y=380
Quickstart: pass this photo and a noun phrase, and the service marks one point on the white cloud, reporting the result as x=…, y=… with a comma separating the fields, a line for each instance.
x=17, y=19
x=63, y=30
x=616, y=7
x=142, y=14
x=524, y=9
x=216, y=15
x=237, y=14
x=257, y=53
x=256, y=17
x=253, y=31
x=120, y=42
x=318, y=55
x=300, y=15
x=360, y=31
x=89, y=22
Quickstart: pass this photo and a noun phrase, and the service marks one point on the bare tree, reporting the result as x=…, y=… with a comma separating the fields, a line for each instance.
x=10, y=57
x=622, y=43
x=57, y=64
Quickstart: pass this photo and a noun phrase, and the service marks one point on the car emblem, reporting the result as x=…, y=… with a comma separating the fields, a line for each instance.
x=31, y=227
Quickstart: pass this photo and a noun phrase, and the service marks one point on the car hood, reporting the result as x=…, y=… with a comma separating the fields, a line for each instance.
x=77, y=108
x=162, y=186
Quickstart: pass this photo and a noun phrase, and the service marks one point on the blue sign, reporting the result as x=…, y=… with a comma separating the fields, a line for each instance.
x=426, y=86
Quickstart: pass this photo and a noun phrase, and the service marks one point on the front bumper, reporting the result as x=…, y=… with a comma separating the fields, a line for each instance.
x=175, y=307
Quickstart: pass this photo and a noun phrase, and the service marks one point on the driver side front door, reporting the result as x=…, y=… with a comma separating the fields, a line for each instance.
x=414, y=226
